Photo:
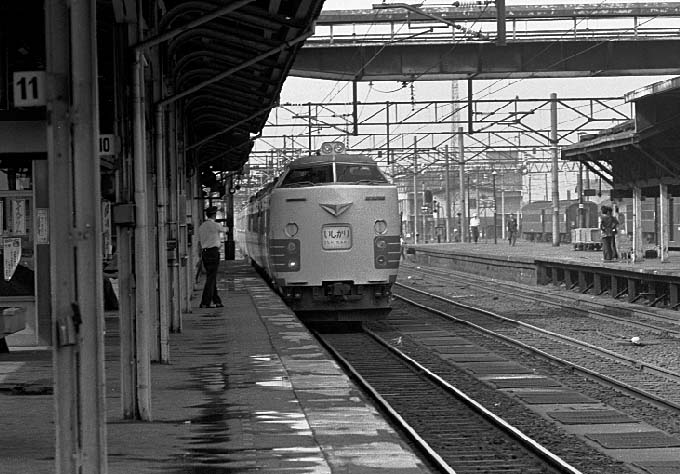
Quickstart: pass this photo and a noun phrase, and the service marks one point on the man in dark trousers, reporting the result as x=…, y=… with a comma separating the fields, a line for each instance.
x=209, y=238
x=608, y=225
x=512, y=230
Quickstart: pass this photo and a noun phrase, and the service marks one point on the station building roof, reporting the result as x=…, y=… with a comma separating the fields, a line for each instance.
x=640, y=152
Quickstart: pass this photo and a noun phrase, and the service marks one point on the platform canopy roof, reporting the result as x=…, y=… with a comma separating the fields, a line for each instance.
x=224, y=61
x=643, y=151
x=231, y=69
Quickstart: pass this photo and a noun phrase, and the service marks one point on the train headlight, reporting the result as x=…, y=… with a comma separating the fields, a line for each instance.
x=380, y=227
x=292, y=264
x=380, y=260
x=381, y=244
x=291, y=229
x=291, y=246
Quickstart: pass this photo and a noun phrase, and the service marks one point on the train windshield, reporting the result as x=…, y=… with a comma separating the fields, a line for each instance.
x=309, y=176
x=349, y=173
x=359, y=173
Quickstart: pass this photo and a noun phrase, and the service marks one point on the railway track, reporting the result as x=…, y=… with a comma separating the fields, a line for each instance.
x=456, y=432
x=656, y=332
x=603, y=308
x=650, y=382
x=583, y=384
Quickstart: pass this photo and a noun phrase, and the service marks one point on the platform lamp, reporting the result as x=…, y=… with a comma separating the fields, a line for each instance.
x=493, y=185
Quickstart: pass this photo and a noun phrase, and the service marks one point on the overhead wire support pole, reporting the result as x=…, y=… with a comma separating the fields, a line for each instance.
x=447, y=215
x=415, y=190
x=464, y=228
x=500, y=23
x=555, y=171
x=355, y=113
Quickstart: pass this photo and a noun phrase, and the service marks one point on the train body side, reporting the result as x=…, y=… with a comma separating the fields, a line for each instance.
x=537, y=217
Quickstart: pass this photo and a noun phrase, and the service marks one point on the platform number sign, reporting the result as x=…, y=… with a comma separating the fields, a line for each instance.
x=29, y=88
x=106, y=144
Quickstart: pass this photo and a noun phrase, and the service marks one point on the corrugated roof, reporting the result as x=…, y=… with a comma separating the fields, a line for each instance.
x=237, y=64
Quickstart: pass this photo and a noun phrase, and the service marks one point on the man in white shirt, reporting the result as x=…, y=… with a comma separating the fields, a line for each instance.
x=210, y=238
x=474, y=227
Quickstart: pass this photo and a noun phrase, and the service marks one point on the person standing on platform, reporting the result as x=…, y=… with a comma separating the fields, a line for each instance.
x=608, y=225
x=474, y=227
x=512, y=230
x=209, y=239
x=402, y=244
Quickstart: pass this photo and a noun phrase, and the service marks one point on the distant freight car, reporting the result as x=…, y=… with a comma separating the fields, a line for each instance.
x=537, y=217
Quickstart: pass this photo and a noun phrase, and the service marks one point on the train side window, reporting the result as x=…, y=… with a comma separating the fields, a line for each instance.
x=352, y=173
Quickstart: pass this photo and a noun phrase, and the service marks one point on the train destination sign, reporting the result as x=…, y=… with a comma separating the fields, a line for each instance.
x=336, y=237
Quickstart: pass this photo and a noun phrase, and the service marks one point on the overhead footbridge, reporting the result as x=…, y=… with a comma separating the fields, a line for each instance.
x=541, y=41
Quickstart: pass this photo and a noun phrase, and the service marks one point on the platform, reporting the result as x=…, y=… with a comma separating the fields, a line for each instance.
x=248, y=389
x=538, y=263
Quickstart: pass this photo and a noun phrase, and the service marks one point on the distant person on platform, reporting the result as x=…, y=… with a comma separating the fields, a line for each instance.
x=209, y=238
x=608, y=225
x=474, y=227
x=512, y=230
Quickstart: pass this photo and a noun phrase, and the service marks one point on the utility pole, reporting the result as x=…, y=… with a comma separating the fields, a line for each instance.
x=447, y=216
x=579, y=190
x=415, y=191
x=463, y=195
x=495, y=231
x=555, y=176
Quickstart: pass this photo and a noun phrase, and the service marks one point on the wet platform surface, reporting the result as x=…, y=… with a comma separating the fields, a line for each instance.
x=248, y=389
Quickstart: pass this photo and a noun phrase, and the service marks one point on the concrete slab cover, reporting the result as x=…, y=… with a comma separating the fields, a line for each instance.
x=660, y=467
x=496, y=368
x=645, y=439
x=476, y=357
x=557, y=397
x=437, y=339
x=587, y=417
x=523, y=382
x=459, y=349
x=433, y=333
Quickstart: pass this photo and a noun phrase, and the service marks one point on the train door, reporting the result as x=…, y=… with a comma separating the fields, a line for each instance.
x=25, y=247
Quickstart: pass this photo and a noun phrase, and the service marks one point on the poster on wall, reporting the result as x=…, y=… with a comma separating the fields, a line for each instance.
x=19, y=216
x=42, y=226
x=107, y=244
x=12, y=254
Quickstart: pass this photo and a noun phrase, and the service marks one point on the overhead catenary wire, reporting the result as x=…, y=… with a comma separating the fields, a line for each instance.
x=488, y=89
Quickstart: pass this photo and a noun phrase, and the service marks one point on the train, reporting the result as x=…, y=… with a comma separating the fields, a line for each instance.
x=537, y=217
x=326, y=235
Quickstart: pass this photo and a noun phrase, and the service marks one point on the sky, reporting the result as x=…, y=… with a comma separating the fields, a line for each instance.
x=302, y=90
